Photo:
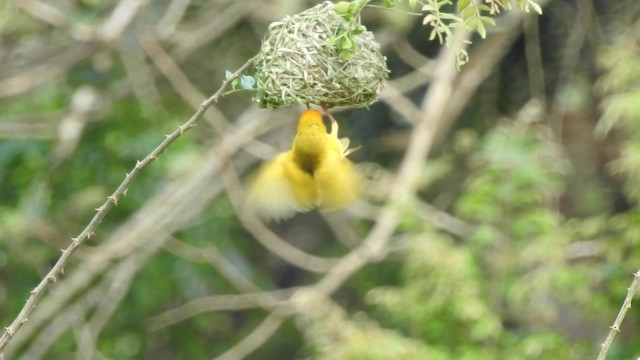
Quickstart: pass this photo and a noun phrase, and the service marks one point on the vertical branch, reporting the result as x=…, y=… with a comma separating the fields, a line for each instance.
x=535, y=66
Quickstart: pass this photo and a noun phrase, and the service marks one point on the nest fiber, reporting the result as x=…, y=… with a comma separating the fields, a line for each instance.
x=298, y=65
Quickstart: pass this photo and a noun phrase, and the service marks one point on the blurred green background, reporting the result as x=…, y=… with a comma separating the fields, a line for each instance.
x=518, y=241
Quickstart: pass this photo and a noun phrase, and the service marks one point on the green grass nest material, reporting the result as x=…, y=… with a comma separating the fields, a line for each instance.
x=297, y=65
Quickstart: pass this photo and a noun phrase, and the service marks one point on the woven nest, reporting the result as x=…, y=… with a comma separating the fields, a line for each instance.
x=297, y=65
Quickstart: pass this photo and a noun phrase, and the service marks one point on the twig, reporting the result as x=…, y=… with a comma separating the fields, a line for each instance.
x=254, y=340
x=44, y=12
x=173, y=207
x=401, y=103
x=183, y=86
x=219, y=262
x=37, y=75
x=172, y=17
x=141, y=76
x=59, y=325
x=116, y=289
x=535, y=67
x=179, y=80
x=112, y=200
x=217, y=303
x=413, y=57
x=615, y=328
x=211, y=24
x=344, y=229
x=121, y=16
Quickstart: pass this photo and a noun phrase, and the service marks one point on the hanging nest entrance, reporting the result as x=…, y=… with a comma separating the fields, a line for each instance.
x=300, y=64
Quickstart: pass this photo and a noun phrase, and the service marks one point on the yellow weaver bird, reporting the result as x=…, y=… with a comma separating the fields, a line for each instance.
x=314, y=173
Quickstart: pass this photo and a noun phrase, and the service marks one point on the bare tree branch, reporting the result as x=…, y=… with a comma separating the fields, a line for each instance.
x=64, y=319
x=176, y=205
x=254, y=340
x=42, y=73
x=213, y=23
x=44, y=12
x=121, y=16
x=213, y=256
x=218, y=303
x=112, y=200
x=626, y=305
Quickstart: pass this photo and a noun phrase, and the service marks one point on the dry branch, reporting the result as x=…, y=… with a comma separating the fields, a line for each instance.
x=112, y=200
x=626, y=305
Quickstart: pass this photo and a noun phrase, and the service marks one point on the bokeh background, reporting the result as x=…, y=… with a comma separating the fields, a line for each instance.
x=500, y=220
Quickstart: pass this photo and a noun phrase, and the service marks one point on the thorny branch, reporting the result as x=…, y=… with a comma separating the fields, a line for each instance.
x=615, y=328
x=102, y=211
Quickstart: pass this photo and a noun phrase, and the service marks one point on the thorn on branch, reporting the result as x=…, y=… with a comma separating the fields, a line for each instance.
x=9, y=331
x=124, y=192
x=24, y=321
x=75, y=241
x=615, y=328
x=113, y=199
x=138, y=164
x=51, y=278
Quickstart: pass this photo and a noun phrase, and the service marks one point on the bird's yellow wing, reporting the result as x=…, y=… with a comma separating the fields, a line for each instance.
x=280, y=189
x=336, y=178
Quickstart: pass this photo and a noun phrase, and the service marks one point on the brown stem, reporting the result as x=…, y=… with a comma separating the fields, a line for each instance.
x=102, y=211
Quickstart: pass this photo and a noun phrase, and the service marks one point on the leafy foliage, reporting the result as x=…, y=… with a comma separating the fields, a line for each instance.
x=439, y=15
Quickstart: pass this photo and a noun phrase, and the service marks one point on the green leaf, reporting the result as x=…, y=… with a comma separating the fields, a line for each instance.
x=247, y=82
x=428, y=8
x=481, y=30
x=488, y=20
x=429, y=19
x=235, y=83
x=468, y=13
x=346, y=55
x=450, y=16
x=413, y=4
x=473, y=22
x=463, y=4
x=341, y=8
x=536, y=7
x=346, y=43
